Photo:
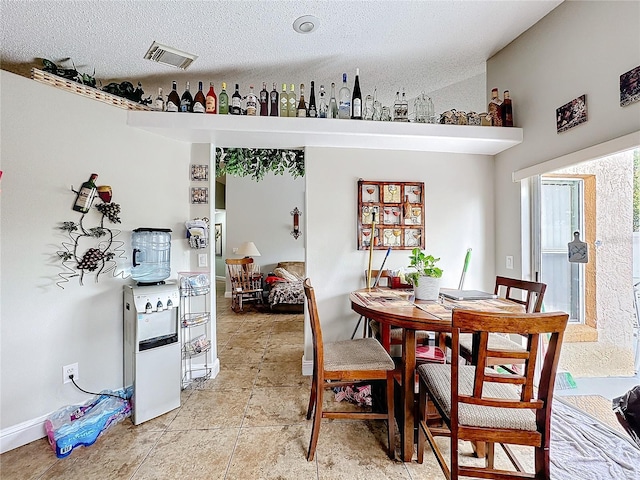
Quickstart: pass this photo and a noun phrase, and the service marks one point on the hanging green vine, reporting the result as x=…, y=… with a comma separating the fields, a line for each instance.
x=256, y=162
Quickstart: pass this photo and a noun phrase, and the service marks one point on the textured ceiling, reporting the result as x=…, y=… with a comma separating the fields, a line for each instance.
x=418, y=45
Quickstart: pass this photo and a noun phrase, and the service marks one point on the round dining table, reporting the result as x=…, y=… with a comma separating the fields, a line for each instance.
x=410, y=318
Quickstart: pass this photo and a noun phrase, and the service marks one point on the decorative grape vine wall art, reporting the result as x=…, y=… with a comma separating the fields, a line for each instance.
x=92, y=249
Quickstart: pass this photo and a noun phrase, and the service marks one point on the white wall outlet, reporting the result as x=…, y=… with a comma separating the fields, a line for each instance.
x=509, y=262
x=202, y=259
x=70, y=370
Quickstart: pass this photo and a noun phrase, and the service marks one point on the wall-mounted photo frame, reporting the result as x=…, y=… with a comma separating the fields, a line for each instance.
x=199, y=195
x=571, y=114
x=630, y=87
x=218, y=233
x=199, y=173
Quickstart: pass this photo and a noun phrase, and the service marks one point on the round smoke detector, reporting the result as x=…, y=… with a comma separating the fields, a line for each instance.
x=306, y=24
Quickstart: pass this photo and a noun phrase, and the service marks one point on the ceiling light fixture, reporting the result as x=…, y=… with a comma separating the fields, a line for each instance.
x=169, y=56
x=306, y=24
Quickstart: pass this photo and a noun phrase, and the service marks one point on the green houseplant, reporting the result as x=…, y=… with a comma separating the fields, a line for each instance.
x=426, y=276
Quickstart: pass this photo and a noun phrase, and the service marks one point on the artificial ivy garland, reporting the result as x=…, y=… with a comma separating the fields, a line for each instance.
x=256, y=162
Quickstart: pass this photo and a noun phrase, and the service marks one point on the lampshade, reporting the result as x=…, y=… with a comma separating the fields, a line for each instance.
x=248, y=249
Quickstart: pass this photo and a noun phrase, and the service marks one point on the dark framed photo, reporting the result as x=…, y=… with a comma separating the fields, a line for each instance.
x=218, y=233
x=199, y=195
x=571, y=114
x=630, y=87
x=200, y=173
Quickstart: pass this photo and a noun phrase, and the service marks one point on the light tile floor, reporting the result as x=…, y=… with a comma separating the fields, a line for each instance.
x=247, y=423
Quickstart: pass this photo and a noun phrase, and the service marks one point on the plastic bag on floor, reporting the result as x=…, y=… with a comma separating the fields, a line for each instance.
x=627, y=409
x=77, y=425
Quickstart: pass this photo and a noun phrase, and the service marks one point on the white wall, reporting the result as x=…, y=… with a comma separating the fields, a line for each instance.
x=459, y=215
x=260, y=212
x=579, y=48
x=51, y=140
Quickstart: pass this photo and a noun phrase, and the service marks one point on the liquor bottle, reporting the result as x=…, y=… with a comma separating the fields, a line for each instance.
x=397, y=108
x=405, y=108
x=333, y=104
x=158, y=105
x=312, y=112
x=173, y=100
x=322, y=106
x=223, y=104
x=344, y=99
x=211, y=101
x=507, y=110
x=264, y=101
x=494, y=108
x=199, y=100
x=86, y=194
x=293, y=105
x=252, y=103
x=356, y=100
x=302, y=106
x=236, y=102
x=186, y=101
x=284, y=101
x=274, y=102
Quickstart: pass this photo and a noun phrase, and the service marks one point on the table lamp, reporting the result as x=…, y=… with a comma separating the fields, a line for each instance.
x=248, y=249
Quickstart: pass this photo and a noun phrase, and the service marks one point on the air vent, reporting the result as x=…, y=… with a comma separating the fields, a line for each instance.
x=169, y=56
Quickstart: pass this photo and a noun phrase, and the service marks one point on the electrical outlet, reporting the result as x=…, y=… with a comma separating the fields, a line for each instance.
x=509, y=262
x=70, y=370
x=202, y=259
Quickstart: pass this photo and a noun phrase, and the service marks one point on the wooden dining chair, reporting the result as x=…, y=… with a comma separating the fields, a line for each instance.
x=478, y=404
x=514, y=290
x=246, y=283
x=346, y=362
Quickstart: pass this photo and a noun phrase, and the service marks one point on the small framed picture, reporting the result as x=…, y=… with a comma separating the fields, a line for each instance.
x=571, y=114
x=199, y=195
x=630, y=87
x=218, y=239
x=200, y=173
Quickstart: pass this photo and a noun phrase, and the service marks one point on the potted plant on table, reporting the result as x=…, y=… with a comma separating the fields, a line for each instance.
x=426, y=277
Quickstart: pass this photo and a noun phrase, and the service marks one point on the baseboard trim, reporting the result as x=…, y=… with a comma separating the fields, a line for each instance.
x=22, y=433
x=307, y=367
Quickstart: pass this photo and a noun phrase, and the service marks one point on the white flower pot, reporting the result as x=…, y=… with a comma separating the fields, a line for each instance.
x=428, y=288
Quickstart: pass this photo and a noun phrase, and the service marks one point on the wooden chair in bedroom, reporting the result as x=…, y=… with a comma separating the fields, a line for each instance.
x=346, y=362
x=478, y=404
x=246, y=283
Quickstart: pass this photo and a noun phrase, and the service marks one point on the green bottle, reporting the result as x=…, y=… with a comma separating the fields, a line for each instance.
x=85, y=196
x=223, y=101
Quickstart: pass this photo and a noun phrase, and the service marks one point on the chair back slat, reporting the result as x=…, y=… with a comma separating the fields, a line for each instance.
x=242, y=274
x=513, y=289
x=385, y=277
x=316, y=331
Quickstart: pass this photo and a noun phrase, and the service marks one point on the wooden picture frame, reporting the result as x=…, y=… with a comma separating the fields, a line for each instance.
x=218, y=239
x=398, y=209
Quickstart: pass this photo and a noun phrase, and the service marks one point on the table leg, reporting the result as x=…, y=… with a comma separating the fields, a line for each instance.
x=385, y=336
x=407, y=397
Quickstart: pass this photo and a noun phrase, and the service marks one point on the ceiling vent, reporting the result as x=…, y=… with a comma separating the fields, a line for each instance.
x=169, y=56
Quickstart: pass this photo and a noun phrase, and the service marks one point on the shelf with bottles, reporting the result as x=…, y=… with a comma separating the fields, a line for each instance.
x=195, y=319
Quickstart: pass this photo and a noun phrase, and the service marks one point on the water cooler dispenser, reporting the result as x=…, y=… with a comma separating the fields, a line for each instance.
x=152, y=353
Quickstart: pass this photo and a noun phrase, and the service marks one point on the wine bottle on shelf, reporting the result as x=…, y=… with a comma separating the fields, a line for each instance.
x=312, y=112
x=293, y=104
x=236, y=102
x=333, y=104
x=356, y=100
x=284, y=101
x=274, y=102
x=158, y=105
x=405, y=107
x=86, y=194
x=186, y=101
x=322, y=105
x=397, y=108
x=507, y=110
x=495, y=108
x=264, y=100
x=344, y=99
x=211, y=101
x=302, y=106
x=223, y=101
x=173, y=101
x=199, y=100
x=252, y=103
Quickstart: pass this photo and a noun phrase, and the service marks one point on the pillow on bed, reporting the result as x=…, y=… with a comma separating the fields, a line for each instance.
x=288, y=276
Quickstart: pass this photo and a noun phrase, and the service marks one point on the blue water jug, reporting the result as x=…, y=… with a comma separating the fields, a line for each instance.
x=151, y=255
